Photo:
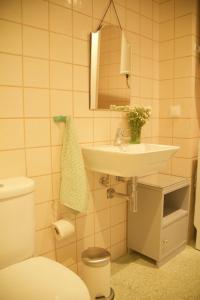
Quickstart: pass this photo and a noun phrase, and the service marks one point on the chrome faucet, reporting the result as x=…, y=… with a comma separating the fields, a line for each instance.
x=119, y=137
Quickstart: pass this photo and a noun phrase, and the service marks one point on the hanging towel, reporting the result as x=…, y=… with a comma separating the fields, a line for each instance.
x=74, y=188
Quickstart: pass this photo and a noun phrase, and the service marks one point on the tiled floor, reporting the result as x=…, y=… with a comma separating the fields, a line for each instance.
x=135, y=277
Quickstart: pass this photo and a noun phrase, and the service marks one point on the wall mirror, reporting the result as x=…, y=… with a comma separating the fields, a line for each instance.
x=110, y=67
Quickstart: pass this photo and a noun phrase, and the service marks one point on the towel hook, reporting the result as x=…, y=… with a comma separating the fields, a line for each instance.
x=60, y=118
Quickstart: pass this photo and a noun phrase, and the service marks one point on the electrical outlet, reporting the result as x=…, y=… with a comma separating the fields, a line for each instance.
x=175, y=111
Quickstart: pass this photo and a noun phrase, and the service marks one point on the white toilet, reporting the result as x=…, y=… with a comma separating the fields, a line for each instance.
x=23, y=277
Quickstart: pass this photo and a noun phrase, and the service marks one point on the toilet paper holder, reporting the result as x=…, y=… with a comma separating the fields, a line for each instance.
x=63, y=229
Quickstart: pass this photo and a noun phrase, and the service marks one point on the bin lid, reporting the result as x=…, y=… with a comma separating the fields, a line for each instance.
x=96, y=257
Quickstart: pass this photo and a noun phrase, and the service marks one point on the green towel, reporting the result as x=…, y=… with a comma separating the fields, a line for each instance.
x=74, y=187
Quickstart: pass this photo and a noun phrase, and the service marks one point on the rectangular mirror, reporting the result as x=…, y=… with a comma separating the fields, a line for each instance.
x=110, y=67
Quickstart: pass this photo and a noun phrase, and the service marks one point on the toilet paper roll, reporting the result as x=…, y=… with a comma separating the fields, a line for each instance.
x=63, y=229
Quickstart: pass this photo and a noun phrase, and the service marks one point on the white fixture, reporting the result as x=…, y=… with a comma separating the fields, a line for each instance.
x=63, y=229
x=23, y=277
x=127, y=161
x=40, y=278
x=125, y=62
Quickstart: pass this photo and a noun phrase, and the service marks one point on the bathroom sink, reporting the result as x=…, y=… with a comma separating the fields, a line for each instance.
x=128, y=160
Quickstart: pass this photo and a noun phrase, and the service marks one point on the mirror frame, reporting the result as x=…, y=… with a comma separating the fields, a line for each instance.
x=94, y=67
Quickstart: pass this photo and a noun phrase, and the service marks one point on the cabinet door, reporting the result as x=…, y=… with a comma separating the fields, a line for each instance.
x=173, y=236
x=144, y=226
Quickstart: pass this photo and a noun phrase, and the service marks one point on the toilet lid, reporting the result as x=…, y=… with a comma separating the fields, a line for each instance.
x=40, y=278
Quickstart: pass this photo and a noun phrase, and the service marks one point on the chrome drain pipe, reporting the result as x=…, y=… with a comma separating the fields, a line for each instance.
x=130, y=195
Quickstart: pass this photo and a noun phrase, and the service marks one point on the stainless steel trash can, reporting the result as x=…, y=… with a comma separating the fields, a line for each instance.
x=96, y=273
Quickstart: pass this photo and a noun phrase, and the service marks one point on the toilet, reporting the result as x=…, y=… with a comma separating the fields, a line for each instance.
x=22, y=276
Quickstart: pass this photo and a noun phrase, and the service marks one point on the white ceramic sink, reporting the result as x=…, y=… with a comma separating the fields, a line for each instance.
x=128, y=160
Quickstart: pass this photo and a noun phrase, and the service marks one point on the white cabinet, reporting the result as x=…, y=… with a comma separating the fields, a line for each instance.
x=159, y=228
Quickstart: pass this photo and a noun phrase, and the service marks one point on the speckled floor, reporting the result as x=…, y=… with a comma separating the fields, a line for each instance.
x=135, y=277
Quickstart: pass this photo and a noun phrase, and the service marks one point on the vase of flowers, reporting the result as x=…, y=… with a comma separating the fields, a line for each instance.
x=137, y=117
x=135, y=134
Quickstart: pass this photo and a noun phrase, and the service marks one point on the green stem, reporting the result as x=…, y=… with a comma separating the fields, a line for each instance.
x=135, y=134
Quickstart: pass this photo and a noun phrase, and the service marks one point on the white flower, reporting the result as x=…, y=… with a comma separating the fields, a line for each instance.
x=137, y=115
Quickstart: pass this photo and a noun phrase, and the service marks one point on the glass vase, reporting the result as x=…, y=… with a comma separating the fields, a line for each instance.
x=135, y=135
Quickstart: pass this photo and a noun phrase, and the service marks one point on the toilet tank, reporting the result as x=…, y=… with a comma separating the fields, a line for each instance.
x=17, y=220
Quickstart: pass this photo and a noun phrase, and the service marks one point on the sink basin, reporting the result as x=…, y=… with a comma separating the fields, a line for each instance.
x=128, y=160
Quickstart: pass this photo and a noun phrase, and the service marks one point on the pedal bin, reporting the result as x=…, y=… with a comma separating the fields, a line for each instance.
x=96, y=273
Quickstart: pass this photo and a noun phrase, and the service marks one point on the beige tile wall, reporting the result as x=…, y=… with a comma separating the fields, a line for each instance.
x=179, y=75
x=44, y=59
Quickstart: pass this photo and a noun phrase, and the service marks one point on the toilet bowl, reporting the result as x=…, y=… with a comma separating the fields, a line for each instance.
x=22, y=276
x=40, y=278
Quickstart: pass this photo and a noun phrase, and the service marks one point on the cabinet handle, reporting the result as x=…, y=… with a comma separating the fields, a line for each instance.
x=164, y=242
